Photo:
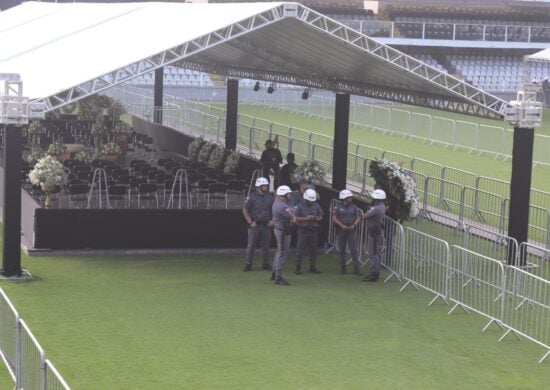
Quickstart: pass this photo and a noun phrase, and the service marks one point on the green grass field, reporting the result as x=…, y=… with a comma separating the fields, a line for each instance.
x=198, y=321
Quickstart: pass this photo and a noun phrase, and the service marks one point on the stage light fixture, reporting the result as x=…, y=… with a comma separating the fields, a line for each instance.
x=305, y=94
x=270, y=89
x=257, y=86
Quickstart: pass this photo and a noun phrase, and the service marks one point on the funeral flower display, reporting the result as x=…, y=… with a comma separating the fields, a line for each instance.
x=123, y=128
x=310, y=170
x=56, y=149
x=35, y=128
x=99, y=129
x=48, y=173
x=398, y=184
x=232, y=162
x=217, y=157
x=85, y=156
x=110, y=149
x=204, y=154
x=194, y=148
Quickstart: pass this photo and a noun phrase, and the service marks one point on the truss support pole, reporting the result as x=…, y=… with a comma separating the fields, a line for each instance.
x=158, y=98
x=520, y=187
x=11, y=264
x=341, y=134
x=231, y=116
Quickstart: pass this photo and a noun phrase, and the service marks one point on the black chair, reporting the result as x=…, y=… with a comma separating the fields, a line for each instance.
x=118, y=193
x=235, y=192
x=148, y=192
x=216, y=192
x=78, y=194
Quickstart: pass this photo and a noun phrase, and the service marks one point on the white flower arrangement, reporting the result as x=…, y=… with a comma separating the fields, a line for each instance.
x=232, y=162
x=36, y=154
x=310, y=170
x=204, y=154
x=48, y=172
x=194, y=148
x=36, y=128
x=85, y=156
x=399, y=184
x=110, y=149
x=99, y=129
x=56, y=149
x=217, y=157
x=123, y=128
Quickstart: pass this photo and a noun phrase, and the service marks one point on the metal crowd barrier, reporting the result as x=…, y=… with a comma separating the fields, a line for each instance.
x=22, y=354
x=426, y=263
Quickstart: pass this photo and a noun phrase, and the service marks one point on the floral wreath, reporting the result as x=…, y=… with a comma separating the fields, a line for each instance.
x=194, y=148
x=110, y=149
x=217, y=157
x=232, y=162
x=85, y=155
x=56, y=149
x=205, y=152
x=123, y=128
x=36, y=128
x=311, y=171
x=399, y=186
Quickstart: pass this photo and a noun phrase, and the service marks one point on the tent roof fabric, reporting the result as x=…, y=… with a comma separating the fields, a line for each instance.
x=67, y=51
x=541, y=56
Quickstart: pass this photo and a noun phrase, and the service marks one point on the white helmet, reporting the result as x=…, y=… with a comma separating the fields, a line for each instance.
x=378, y=194
x=261, y=181
x=283, y=190
x=344, y=194
x=310, y=195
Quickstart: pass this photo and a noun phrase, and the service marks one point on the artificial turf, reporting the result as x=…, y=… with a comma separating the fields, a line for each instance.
x=197, y=321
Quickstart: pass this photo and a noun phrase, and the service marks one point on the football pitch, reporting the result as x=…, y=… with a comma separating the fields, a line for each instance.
x=196, y=321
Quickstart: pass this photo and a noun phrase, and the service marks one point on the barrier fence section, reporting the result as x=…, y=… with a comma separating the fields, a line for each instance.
x=426, y=263
x=527, y=307
x=534, y=259
x=476, y=284
x=392, y=254
x=22, y=354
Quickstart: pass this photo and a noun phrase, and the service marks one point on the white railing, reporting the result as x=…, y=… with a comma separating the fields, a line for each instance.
x=23, y=356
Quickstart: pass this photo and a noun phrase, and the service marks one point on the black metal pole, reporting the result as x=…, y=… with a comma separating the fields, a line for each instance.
x=232, y=112
x=520, y=187
x=340, y=148
x=11, y=262
x=158, y=97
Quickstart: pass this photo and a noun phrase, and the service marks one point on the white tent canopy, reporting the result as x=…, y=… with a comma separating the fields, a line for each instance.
x=541, y=56
x=67, y=51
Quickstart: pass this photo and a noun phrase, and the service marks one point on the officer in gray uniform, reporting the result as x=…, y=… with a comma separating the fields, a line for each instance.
x=308, y=215
x=375, y=233
x=347, y=216
x=282, y=219
x=257, y=213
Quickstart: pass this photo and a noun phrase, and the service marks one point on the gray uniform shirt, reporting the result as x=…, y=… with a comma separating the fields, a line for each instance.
x=303, y=210
x=282, y=214
x=374, y=219
x=296, y=198
x=259, y=207
x=346, y=214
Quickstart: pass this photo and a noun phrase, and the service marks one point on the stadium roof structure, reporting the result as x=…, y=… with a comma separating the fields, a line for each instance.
x=67, y=51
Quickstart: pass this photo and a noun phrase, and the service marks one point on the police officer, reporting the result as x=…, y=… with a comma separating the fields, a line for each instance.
x=308, y=215
x=346, y=216
x=375, y=234
x=282, y=219
x=257, y=213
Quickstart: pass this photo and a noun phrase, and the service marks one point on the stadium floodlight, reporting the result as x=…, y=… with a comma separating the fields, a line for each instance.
x=271, y=88
x=257, y=86
x=305, y=94
x=14, y=108
x=525, y=111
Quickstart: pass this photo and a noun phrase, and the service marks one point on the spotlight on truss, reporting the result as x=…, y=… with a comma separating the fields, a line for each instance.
x=305, y=94
x=270, y=89
x=257, y=86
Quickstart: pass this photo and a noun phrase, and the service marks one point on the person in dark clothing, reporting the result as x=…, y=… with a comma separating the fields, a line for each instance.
x=308, y=216
x=347, y=216
x=375, y=234
x=257, y=212
x=271, y=159
x=287, y=171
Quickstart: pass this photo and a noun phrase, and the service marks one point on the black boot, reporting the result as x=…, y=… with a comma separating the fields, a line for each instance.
x=272, y=276
x=298, y=270
x=357, y=271
x=279, y=280
x=313, y=269
x=247, y=267
x=267, y=266
x=343, y=269
x=373, y=277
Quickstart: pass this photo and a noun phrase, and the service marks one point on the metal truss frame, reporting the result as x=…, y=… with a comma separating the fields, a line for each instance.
x=459, y=97
x=164, y=58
